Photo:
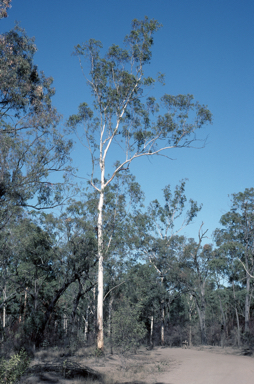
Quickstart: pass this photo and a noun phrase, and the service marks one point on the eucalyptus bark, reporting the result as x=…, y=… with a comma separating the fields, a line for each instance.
x=151, y=332
x=223, y=325
x=100, y=342
x=94, y=315
x=65, y=323
x=86, y=319
x=162, y=323
x=237, y=319
x=190, y=328
x=190, y=304
x=190, y=331
x=110, y=308
x=201, y=314
x=247, y=297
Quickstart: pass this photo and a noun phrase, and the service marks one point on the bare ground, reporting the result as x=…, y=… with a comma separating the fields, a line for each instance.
x=207, y=365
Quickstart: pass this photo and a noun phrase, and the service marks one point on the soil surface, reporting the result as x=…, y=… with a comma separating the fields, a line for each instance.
x=206, y=365
x=203, y=367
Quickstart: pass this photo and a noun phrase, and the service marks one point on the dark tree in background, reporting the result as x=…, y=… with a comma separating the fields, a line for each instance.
x=32, y=146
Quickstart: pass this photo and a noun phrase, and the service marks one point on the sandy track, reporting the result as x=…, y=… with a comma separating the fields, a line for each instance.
x=202, y=367
x=206, y=365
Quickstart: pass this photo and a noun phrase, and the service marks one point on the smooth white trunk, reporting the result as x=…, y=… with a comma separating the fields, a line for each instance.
x=163, y=325
x=151, y=332
x=100, y=341
x=86, y=324
x=201, y=315
x=65, y=323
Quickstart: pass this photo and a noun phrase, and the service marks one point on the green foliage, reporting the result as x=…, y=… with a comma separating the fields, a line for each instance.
x=31, y=144
x=128, y=330
x=141, y=126
x=11, y=370
x=98, y=353
x=118, y=82
x=236, y=238
x=173, y=212
x=23, y=88
x=4, y=5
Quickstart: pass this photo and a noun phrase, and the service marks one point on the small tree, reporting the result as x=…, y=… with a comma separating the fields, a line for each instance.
x=123, y=116
x=197, y=263
x=127, y=330
x=163, y=250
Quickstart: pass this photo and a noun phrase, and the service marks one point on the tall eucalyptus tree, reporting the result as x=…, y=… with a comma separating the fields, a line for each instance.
x=123, y=117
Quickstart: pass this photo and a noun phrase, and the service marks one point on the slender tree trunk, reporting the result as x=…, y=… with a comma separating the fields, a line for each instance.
x=35, y=304
x=201, y=315
x=223, y=325
x=190, y=303
x=4, y=298
x=162, y=315
x=20, y=310
x=86, y=319
x=25, y=303
x=238, y=328
x=247, y=298
x=110, y=308
x=151, y=332
x=190, y=336
x=4, y=306
x=35, y=292
x=4, y=311
x=246, y=251
x=94, y=314
x=190, y=330
x=237, y=320
x=100, y=340
x=162, y=323
x=65, y=323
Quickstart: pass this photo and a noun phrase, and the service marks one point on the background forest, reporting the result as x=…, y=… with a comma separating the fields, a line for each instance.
x=92, y=261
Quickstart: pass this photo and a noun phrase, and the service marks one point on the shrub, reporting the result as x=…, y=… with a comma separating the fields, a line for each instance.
x=12, y=369
x=127, y=328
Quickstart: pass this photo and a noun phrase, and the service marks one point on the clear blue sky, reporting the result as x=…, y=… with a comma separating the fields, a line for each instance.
x=205, y=48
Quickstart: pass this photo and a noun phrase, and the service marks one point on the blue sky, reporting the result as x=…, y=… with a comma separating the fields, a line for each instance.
x=205, y=48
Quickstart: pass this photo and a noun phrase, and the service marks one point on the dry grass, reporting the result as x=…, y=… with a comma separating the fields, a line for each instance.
x=140, y=368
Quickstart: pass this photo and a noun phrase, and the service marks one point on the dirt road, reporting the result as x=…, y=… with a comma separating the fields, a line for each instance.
x=202, y=367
